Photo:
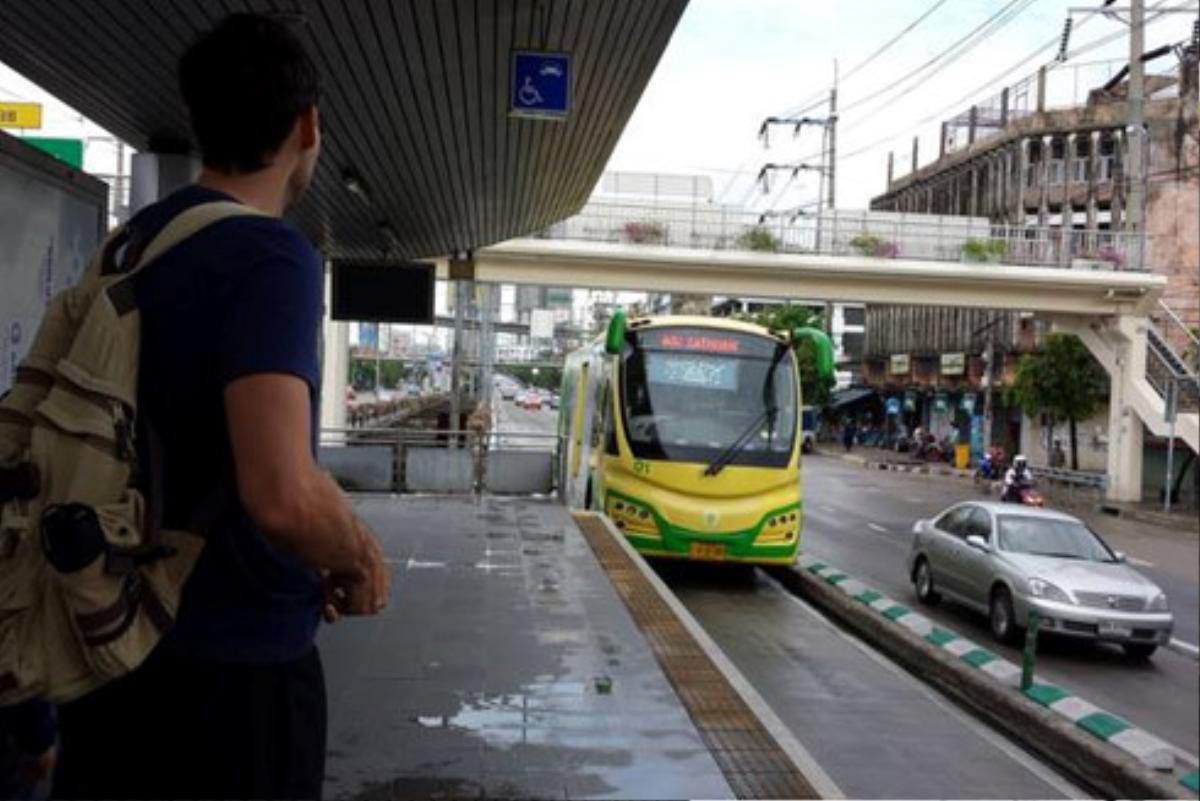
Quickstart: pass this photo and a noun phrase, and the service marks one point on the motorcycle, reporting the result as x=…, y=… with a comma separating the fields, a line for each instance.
x=991, y=466
x=1023, y=494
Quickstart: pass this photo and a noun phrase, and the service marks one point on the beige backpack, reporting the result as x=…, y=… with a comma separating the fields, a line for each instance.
x=89, y=581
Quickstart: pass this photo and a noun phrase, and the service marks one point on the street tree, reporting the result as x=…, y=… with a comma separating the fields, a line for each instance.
x=1062, y=380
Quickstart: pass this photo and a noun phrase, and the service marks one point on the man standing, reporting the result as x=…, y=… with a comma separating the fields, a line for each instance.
x=232, y=702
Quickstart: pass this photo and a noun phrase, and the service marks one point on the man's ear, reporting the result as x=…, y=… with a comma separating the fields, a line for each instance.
x=309, y=125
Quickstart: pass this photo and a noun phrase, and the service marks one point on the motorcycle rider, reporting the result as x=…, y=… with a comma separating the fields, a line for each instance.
x=1017, y=478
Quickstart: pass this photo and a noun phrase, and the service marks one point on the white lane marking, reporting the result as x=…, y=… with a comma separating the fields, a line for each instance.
x=1185, y=648
x=914, y=499
x=877, y=527
x=1133, y=560
x=1013, y=752
x=827, y=509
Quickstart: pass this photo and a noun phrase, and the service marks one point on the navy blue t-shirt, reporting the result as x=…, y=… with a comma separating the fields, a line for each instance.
x=240, y=297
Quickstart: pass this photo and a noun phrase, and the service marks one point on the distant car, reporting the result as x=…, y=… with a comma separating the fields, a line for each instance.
x=533, y=401
x=1006, y=561
x=552, y=400
x=508, y=390
x=520, y=396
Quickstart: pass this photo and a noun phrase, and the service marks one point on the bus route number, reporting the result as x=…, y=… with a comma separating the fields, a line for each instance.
x=642, y=468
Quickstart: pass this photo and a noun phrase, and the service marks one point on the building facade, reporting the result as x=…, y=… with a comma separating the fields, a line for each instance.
x=1050, y=179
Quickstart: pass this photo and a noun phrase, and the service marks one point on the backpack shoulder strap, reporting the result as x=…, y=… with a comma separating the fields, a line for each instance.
x=188, y=223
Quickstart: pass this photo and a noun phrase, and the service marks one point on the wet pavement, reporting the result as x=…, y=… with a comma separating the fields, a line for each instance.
x=505, y=667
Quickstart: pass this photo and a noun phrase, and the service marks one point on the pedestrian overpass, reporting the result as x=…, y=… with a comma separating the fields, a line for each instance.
x=1109, y=309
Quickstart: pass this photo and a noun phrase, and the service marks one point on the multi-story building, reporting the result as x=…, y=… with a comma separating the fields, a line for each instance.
x=1047, y=180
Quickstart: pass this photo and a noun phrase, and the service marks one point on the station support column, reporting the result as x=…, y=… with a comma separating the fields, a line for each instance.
x=153, y=176
x=335, y=363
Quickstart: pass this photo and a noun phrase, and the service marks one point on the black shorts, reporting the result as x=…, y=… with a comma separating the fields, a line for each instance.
x=182, y=728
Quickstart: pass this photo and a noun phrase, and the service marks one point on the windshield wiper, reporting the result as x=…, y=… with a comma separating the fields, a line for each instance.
x=1062, y=555
x=730, y=453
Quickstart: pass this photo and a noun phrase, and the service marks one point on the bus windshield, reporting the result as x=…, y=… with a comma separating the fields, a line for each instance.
x=689, y=394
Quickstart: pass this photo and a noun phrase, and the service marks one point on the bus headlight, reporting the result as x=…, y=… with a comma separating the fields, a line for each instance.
x=780, y=529
x=631, y=517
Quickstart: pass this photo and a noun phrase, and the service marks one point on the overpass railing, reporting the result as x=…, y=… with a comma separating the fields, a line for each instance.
x=431, y=461
x=874, y=234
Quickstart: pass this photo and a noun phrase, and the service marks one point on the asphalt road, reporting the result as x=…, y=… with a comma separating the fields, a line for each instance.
x=511, y=418
x=861, y=521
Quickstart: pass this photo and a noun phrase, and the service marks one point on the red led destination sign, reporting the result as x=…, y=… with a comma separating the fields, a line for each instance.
x=704, y=343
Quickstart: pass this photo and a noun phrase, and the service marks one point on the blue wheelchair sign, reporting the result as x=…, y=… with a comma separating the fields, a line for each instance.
x=541, y=85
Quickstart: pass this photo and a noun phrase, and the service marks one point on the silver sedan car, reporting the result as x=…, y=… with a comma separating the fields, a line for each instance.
x=1006, y=560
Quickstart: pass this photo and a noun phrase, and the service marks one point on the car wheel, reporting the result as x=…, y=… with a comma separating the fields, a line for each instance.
x=1001, y=616
x=806, y=446
x=923, y=579
x=1139, y=650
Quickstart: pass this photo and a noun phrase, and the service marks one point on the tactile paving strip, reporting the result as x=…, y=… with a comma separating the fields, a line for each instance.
x=753, y=763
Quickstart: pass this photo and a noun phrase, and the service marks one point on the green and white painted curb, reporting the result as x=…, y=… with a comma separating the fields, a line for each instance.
x=1145, y=747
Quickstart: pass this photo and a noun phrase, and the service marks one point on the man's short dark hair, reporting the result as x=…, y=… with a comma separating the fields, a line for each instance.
x=245, y=82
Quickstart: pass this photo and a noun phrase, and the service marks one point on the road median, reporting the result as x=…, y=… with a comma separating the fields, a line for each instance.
x=1096, y=749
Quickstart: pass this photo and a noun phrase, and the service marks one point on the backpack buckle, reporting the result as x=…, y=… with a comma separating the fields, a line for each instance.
x=123, y=429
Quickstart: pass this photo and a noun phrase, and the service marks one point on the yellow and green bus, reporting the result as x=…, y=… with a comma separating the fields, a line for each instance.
x=686, y=432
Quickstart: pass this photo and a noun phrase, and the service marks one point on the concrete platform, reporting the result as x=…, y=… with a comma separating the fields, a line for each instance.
x=506, y=666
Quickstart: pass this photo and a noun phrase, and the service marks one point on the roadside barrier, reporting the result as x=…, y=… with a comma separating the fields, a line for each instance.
x=1096, y=748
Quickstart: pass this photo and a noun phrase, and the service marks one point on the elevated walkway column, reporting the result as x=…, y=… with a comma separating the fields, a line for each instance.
x=1119, y=344
x=1125, y=427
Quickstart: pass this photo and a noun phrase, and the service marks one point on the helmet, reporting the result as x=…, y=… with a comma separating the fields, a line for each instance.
x=1019, y=460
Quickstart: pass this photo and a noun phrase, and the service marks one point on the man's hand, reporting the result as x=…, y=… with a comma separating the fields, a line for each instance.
x=364, y=591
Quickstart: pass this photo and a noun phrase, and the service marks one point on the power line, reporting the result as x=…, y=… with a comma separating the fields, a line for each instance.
x=964, y=42
x=815, y=102
x=991, y=82
x=917, y=84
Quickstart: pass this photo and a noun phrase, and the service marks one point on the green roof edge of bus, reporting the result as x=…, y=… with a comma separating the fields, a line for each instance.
x=824, y=351
x=615, y=340
x=747, y=550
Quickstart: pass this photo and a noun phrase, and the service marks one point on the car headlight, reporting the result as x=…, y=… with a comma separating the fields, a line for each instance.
x=1040, y=588
x=1158, y=603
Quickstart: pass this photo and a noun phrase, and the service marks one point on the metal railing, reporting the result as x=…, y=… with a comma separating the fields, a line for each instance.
x=438, y=461
x=1070, y=486
x=848, y=233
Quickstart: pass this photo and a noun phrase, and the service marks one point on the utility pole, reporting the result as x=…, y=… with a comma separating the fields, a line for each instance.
x=833, y=138
x=989, y=378
x=1135, y=134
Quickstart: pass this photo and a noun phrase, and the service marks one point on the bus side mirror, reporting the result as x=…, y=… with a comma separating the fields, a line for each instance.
x=823, y=348
x=615, y=340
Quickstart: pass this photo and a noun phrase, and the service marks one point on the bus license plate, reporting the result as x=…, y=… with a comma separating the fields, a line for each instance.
x=1110, y=629
x=711, y=551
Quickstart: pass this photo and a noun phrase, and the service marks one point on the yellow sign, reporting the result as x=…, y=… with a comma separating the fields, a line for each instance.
x=20, y=115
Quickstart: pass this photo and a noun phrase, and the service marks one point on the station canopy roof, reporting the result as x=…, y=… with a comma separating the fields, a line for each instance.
x=415, y=102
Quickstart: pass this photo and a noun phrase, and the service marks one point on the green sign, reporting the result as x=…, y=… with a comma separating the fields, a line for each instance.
x=68, y=150
x=941, y=403
x=968, y=402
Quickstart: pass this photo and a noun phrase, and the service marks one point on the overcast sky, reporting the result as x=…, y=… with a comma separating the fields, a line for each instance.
x=733, y=62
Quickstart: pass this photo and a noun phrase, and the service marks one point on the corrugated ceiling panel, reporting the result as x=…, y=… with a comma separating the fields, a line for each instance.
x=415, y=101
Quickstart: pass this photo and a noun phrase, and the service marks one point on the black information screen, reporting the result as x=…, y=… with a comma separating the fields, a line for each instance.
x=384, y=292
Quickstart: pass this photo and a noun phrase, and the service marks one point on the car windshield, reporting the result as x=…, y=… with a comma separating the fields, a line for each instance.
x=690, y=393
x=1042, y=536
